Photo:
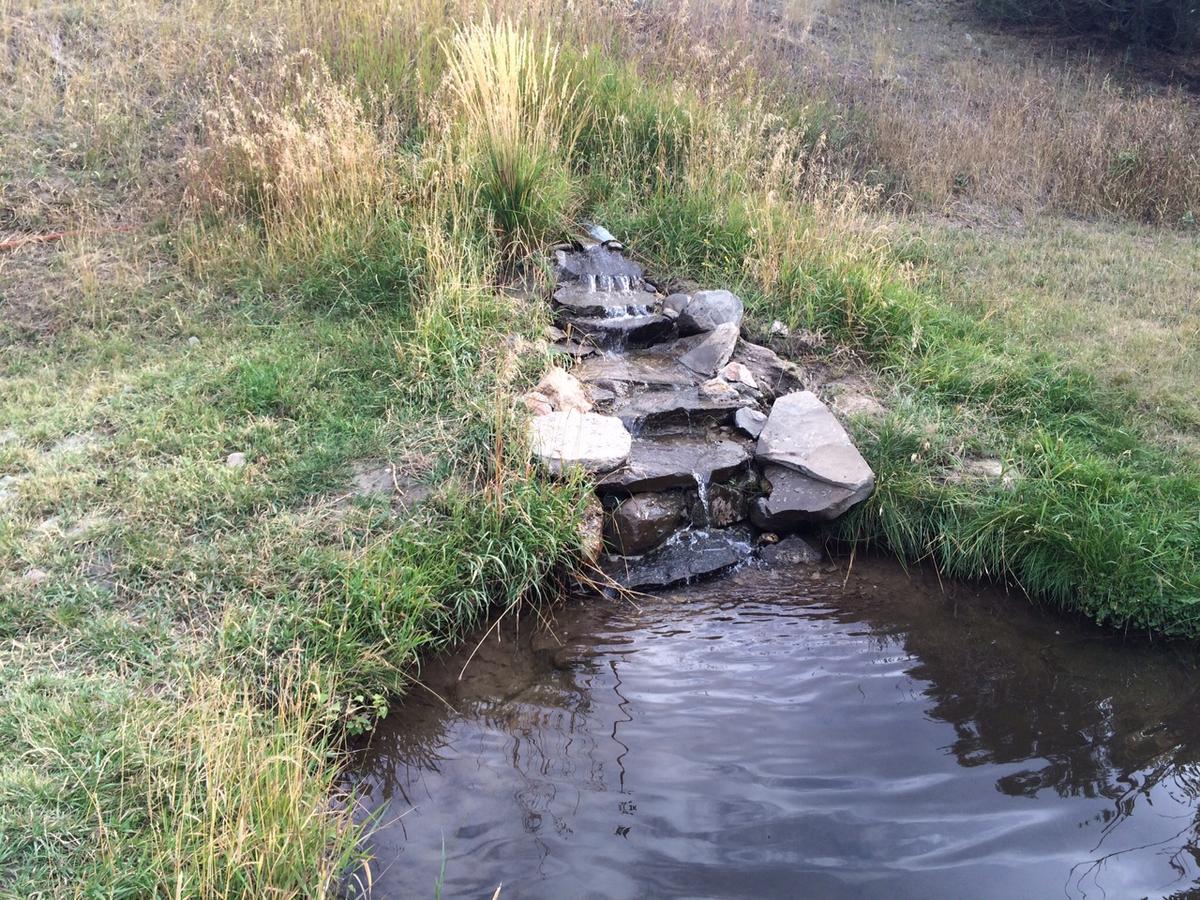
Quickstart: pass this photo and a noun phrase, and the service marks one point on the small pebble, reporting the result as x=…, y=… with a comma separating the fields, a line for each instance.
x=193, y=341
x=36, y=576
x=235, y=460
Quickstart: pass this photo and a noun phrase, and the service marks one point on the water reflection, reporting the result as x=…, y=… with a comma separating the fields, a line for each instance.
x=774, y=730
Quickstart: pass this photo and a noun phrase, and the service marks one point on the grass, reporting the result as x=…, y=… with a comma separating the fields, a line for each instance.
x=320, y=204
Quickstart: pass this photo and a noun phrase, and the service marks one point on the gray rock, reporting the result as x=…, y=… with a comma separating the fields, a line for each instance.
x=641, y=522
x=591, y=530
x=647, y=367
x=791, y=551
x=675, y=461
x=680, y=406
x=688, y=556
x=235, y=460
x=750, y=420
x=574, y=297
x=773, y=374
x=573, y=440
x=723, y=503
x=803, y=434
x=675, y=304
x=710, y=355
x=563, y=391
x=795, y=499
x=193, y=341
x=618, y=331
x=708, y=309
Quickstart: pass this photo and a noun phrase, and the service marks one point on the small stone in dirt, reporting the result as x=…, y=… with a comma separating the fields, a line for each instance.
x=8, y=486
x=791, y=551
x=772, y=374
x=708, y=309
x=737, y=372
x=563, y=391
x=235, y=460
x=538, y=404
x=801, y=433
x=643, y=521
x=551, y=333
x=569, y=439
x=36, y=576
x=750, y=420
x=710, y=355
x=193, y=341
x=780, y=329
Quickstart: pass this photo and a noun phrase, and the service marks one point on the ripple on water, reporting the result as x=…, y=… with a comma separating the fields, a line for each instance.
x=775, y=735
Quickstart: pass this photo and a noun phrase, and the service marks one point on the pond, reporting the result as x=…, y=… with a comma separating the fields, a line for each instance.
x=809, y=731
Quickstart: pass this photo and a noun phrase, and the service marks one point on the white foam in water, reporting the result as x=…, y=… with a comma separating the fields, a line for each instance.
x=589, y=283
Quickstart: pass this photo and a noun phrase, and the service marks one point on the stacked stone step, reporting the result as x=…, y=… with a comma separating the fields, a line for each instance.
x=702, y=443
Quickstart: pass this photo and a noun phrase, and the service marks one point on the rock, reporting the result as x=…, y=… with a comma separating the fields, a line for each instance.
x=591, y=530
x=795, y=499
x=750, y=420
x=680, y=406
x=598, y=261
x=705, y=310
x=791, y=551
x=193, y=341
x=740, y=373
x=553, y=334
x=581, y=301
x=651, y=366
x=563, y=391
x=235, y=460
x=983, y=470
x=710, y=355
x=675, y=461
x=851, y=396
x=772, y=374
x=717, y=389
x=538, y=404
x=620, y=331
x=641, y=522
x=688, y=556
x=727, y=503
x=675, y=304
x=600, y=233
x=570, y=439
x=8, y=486
x=803, y=434
x=573, y=349
x=780, y=329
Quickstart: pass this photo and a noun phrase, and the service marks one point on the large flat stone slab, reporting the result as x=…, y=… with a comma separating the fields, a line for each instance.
x=675, y=461
x=583, y=302
x=573, y=440
x=711, y=354
x=794, y=499
x=618, y=331
x=646, y=367
x=597, y=261
x=679, y=406
x=802, y=434
x=686, y=557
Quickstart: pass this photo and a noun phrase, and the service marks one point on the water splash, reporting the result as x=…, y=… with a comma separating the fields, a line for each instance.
x=702, y=490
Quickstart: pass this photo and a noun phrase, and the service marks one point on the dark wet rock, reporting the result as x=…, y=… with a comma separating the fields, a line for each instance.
x=674, y=407
x=688, y=556
x=646, y=367
x=801, y=433
x=711, y=354
x=580, y=301
x=641, y=522
x=791, y=551
x=573, y=349
x=618, y=331
x=794, y=499
x=774, y=375
x=723, y=503
x=750, y=421
x=674, y=461
x=574, y=440
x=705, y=310
x=591, y=530
x=675, y=304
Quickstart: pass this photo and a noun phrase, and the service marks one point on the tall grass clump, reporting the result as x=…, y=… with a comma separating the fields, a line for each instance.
x=510, y=108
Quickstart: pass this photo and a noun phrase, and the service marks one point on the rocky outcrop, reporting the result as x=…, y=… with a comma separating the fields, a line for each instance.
x=675, y=373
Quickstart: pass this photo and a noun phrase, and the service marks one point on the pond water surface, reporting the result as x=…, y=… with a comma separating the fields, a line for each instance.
x=794, y=732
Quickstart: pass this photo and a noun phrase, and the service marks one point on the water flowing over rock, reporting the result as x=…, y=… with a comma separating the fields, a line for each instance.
x=587, y=441
x=674, y=461
x=687, y=556
x=803, y=434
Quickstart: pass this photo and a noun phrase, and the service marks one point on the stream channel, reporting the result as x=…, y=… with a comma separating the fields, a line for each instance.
x=793, y=731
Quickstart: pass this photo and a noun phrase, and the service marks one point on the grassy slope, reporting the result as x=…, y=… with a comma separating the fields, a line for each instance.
x=356, y=321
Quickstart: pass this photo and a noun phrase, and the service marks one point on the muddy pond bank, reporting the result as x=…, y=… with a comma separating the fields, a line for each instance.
x=794, y=731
